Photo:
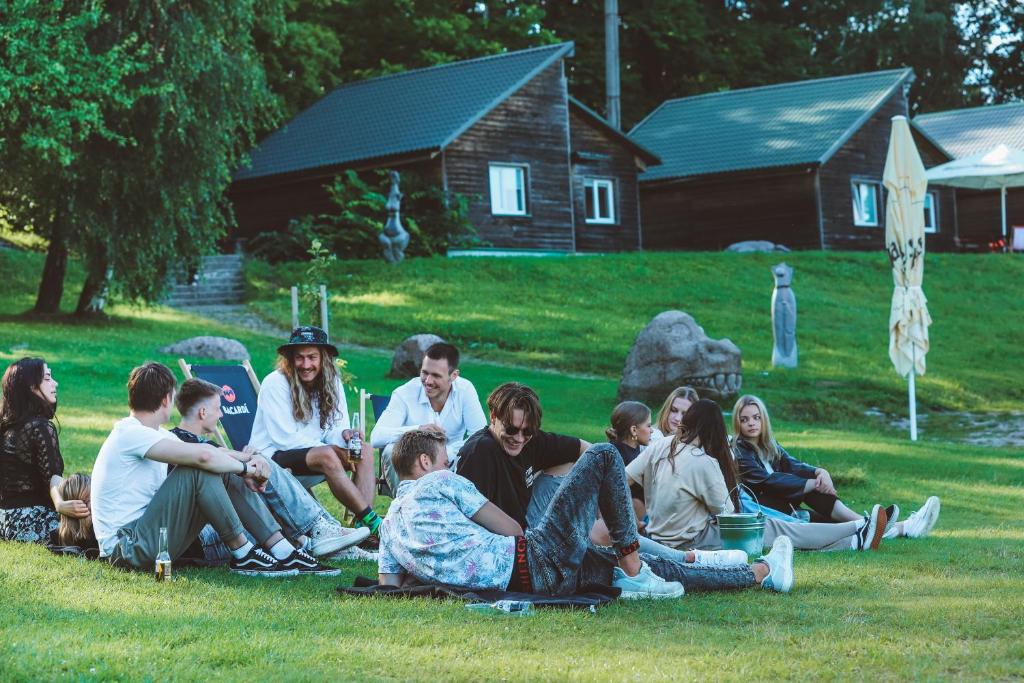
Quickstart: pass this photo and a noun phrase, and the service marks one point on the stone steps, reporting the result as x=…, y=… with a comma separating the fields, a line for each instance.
x=220, y=281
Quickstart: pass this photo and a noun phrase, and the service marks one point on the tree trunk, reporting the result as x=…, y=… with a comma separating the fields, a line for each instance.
x=51, y=285
x=93, y=296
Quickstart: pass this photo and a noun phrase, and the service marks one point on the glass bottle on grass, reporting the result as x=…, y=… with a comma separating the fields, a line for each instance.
x=163, y=558
x=355, y=441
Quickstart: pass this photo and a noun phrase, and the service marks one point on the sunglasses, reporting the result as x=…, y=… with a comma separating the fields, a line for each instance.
x=513, y=431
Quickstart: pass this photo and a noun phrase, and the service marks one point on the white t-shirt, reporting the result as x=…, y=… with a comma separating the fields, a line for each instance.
x=124, y=480
x=275, y=429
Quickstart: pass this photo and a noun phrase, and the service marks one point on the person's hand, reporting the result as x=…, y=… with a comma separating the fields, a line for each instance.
x=75, y=509
x=249, y=450
x=432, y=427
x=257, y=473
x=824, y=483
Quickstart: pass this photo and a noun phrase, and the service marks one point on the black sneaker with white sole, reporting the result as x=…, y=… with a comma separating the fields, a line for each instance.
x=260, y=563
x=307, y=565
x=870, y=535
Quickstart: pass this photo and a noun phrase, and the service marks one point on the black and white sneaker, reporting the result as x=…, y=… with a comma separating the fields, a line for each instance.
x=260, y=563
x=870, y=535
x=306, y=564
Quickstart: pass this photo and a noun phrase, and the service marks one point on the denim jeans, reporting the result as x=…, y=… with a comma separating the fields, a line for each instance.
x=560, y=554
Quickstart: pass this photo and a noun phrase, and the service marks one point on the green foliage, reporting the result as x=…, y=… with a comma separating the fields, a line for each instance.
x=320, y=259
x=433, y=224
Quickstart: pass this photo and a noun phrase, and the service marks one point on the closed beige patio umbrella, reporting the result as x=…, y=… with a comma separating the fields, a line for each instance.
x=905, y=183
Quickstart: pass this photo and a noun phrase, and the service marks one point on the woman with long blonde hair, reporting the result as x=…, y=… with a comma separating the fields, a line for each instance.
x=77, y=531
x=784, y=483
x=676, y=403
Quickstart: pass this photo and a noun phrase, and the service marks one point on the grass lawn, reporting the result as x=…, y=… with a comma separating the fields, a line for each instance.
x=945, y=607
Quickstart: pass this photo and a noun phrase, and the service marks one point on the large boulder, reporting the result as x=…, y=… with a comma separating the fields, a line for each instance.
x=409, y=355
x=216, y=348
x=752, y=246
x=673, y=351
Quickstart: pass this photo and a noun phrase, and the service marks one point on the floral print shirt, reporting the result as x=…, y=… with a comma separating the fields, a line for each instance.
x=429, y=534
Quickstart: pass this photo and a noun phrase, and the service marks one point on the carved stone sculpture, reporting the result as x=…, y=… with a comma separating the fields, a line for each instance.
x=751, y=246
x=783, y=317
x=394, y=238
x=213, y=348
x=673, y=350
x=409, y=355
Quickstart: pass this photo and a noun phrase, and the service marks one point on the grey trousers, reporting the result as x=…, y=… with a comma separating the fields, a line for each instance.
x=186, y=501
x=558, y=549
x=804, y=536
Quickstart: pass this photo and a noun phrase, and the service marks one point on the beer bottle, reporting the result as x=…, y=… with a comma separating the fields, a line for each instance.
x=355, y=442
x=163, y=558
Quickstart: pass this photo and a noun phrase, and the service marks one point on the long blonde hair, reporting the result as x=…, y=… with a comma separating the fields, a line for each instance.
x=72, y=530
x=689, y=393
x=324, y=389
x=764, y=445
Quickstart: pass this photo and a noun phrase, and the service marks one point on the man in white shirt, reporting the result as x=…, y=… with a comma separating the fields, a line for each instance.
x=439, y=400
x=133, y=496
x=302, y=423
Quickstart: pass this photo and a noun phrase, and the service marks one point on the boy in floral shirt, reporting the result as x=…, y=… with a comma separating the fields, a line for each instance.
x=440, y=529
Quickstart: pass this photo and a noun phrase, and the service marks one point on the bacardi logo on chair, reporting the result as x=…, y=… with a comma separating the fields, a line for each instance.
x=228, y=393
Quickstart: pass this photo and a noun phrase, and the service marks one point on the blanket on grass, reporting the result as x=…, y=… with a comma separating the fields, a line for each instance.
x=588, y=597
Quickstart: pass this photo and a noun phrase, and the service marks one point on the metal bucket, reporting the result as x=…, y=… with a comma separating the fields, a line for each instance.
x=742, y=531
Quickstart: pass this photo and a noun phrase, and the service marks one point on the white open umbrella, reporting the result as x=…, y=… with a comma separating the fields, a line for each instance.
x=996, y=169
x=904, y=180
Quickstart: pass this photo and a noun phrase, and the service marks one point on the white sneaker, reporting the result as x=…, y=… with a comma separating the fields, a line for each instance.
x=327, y=537
x=780, y=566
x=921, y=522
x=719, y=558
x=354, y=553
x=646, y=584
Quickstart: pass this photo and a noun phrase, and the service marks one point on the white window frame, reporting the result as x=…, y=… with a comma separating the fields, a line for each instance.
x=497, y=175
x=590, y=185
x=934, y=227
x=858, y=220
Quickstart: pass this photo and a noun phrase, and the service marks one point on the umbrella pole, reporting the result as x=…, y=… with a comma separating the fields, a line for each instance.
x=911, y=390
x=1002, y=203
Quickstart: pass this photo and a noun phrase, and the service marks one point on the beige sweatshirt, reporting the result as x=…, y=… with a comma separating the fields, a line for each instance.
x=682, y=494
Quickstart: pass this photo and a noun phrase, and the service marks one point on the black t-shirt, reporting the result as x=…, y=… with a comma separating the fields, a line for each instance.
x=505, y=480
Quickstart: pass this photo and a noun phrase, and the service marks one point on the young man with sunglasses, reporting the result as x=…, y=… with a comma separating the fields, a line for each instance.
x=506, y=459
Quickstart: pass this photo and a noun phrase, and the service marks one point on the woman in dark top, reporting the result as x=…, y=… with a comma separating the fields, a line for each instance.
x=781, y=481
x=31, y=466
x=631, y=429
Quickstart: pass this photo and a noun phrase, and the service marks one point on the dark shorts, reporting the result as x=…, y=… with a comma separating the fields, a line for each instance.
x=294, y=460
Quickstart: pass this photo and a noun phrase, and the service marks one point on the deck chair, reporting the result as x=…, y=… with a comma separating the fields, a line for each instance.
x=1018, y=238
x=239, y=391
x=378, y=403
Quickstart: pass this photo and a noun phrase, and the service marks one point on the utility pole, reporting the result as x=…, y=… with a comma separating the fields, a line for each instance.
x=611, y=62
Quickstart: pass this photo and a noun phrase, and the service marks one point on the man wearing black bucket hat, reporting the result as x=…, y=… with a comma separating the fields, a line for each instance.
x=302, y=422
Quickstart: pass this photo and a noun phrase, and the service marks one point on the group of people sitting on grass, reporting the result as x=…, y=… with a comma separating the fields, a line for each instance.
x=485, y=503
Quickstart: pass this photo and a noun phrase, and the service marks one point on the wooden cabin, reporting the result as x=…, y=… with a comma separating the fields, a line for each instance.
x=541, y=170
x=965, y=132
x=798, y=164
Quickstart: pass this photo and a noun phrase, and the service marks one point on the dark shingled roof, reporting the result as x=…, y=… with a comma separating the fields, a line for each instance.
x=414, y=111
x=603, y=124
x=788, y=124
x=963, y=132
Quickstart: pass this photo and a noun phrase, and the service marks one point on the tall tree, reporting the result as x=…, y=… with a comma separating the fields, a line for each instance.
x=58, y=91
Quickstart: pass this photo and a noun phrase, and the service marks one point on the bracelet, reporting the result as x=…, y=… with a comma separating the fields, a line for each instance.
x=245, y=469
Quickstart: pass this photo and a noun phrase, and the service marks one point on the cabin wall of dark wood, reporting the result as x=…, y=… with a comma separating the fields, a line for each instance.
x=712, y=214
x=596, y=155
x=862, y=157
x=530, y=128
x=979, y=216
x=946, y=238
x=268, y=205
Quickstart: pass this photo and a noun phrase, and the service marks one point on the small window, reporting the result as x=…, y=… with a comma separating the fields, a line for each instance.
x=931, y=212
x=600, y=200
x=508, y=190
x=865, y=204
